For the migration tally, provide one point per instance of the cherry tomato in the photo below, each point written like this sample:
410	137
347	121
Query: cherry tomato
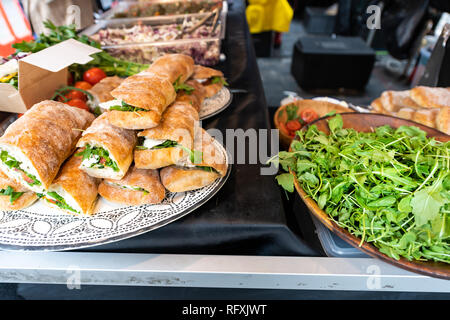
78	103
75	94
293	125
308	115
83	85
94	75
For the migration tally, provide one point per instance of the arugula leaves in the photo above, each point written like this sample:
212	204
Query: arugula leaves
9	191
217	79
390	187
195	156
101	155
12	163
126	107
59	201
182	86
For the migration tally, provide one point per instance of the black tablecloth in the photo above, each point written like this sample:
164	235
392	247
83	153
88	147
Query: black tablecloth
246	216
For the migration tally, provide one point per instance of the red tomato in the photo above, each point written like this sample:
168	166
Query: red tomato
75	94
78	103
19	115
94	75
27	178
308	115
293	125
83	85
102	160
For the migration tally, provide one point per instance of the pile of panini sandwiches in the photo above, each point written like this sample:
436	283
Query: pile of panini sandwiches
148	140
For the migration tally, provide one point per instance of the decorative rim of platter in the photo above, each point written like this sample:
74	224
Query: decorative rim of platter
33	229
216	104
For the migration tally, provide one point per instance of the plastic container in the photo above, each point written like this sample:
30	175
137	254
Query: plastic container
121	13
203	45
333	245
158	8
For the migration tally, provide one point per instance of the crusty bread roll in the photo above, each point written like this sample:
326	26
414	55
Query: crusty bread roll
197	175
205	75
77	190
102	90
406	113
34	147
377	106
173	67
395	100
118	142
428	97
139	186
443	120
177	126
426	117
22	201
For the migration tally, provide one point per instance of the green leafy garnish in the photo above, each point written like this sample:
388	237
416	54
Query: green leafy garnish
101	155
56	34
389	187
59	201
217	79
9	191
126	107
12	163
182	86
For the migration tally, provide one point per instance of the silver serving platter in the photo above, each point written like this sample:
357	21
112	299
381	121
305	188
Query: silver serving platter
216	104
41	228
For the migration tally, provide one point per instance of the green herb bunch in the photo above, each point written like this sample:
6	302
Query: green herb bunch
389	187
103	60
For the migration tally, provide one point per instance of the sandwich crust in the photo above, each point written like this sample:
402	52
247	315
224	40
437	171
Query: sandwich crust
119	142
82	187
134	120
173	67
395	100
180	179
102	90
146	179
426	117
428	97
443	120
178	124
194	99
46	135
146	90
25	200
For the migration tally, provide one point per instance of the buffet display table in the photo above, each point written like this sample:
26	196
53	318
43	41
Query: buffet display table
241	238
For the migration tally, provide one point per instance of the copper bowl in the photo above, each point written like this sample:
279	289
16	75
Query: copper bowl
366	122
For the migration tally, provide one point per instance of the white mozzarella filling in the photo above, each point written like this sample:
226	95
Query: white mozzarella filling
108	104
150	143
66	196
25	166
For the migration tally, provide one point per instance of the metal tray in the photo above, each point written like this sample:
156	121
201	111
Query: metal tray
205	51
123	6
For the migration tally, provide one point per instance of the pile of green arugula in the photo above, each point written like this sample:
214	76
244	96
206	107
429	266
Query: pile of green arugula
390	187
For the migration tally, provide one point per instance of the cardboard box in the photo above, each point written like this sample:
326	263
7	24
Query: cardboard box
42	73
